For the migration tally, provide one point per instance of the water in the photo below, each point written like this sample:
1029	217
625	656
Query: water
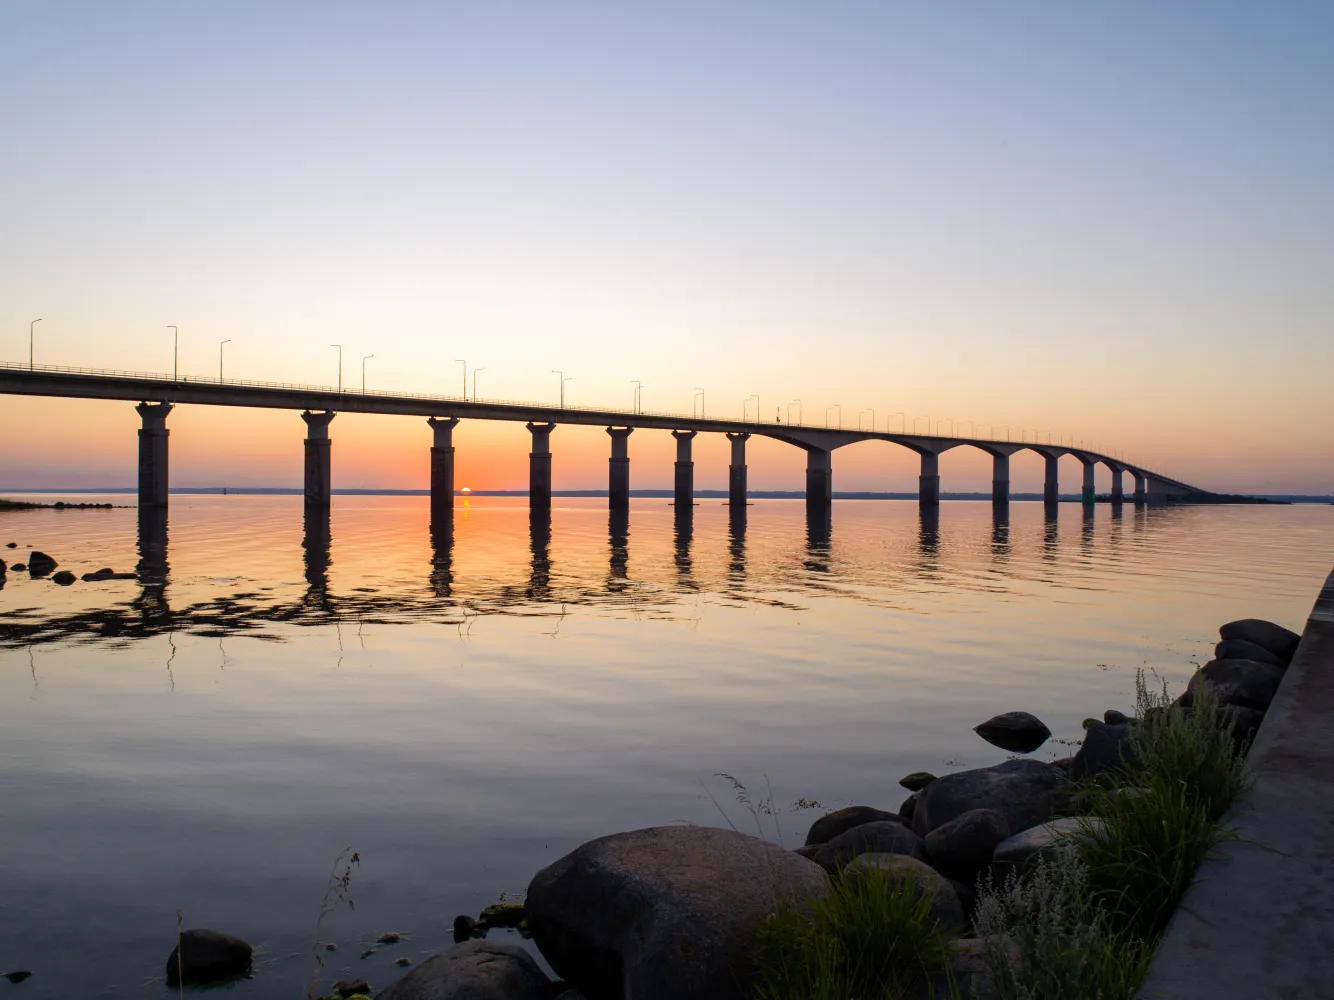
464	712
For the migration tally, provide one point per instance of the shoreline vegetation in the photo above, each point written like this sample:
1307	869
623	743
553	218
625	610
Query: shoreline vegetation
7	504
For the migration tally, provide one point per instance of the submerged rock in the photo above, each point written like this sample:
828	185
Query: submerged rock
826	828
207	956
1024	792
1247	683
1278	640
667	912
916	781
946	909
475	970
1018	732
892	837
963	846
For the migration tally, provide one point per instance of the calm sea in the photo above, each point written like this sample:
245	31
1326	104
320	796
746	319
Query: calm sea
464	705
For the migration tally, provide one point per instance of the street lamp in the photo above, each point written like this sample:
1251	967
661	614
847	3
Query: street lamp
836	406
340	365
789	411
902	418
699	394
30	326
927	418
228	341
745	406
634	400
859	418
474	382
175	349
941	421
363	371
465	376
563	380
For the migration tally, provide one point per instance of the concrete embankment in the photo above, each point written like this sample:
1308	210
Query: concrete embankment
1259	923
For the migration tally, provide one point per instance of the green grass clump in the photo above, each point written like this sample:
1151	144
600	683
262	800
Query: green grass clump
871	938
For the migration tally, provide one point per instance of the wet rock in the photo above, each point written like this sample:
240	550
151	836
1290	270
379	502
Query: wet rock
916	781
1018	732
123	576
1063	763
368	953
946	909
464	926
40	564
501	915
1112	717
1247	683
18	975
1024	792
350	987
906	808
18	567
1026	846
474	970
869	838
403	961
1240	649
207	956
826	828
389	937
11	545
331	947
1278	640
64	578
963	846
667	912
1090	723
105	573
1106	750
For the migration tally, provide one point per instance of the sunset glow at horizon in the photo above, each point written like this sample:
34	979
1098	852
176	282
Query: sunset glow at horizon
1113	225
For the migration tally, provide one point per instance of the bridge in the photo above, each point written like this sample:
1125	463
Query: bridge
157	395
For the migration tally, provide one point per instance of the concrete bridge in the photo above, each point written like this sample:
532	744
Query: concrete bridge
157	395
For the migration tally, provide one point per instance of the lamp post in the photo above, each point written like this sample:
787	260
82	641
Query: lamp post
465	376
797	402
859	418
927	418
474	382
340	365
941	421
30	326
699	394
228	341
175	349
902	429
745	405
836	406
563	380
634	399
363	371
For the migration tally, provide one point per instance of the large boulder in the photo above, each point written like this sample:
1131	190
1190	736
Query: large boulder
826	828
1247	683
667	912
1023	792
40	564
1018	732
1278	640
1240	649
1106	750
946	909
963	846
205	956
1243	723
888	837
1025	847
474	970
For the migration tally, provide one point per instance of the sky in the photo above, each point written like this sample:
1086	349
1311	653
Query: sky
1108	222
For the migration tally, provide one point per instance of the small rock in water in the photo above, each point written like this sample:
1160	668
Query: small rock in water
18	567
351	987
463	928
331	947
1091	723
916	781
1112	717
403	961
11	545
389	937
1019	732
502	915
368	953
204	956
19	975
40	564
64	578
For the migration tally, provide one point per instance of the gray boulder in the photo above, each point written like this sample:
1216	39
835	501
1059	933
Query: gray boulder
1278	640
1237	682
667	912
351	987
960	848
1240	649
474	970
1023	792
945	906
906	808
892	837
1026	846
1106	750
1243	723
1018	732
1112	717
205	956
916	781
826	828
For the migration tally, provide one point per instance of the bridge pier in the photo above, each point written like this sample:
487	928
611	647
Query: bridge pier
1000	480
1088	493
442	461
819	478
318	480
1141	493
153	454
1118	489
539	466
736	472
1051	486
684	481
928	483
618	477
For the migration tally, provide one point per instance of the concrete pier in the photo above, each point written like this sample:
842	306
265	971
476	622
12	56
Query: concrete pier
539	466
318	475
1141	489
819	478
1087	493
152	566
736	472
1000	479
442	550
316	540
684	481
1118	487
442	461
1051	484
153	454
928	483
618	475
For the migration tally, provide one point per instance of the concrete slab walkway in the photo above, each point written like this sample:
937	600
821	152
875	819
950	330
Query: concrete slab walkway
1259	924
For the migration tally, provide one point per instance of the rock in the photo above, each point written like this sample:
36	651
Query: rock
331	947
18	975
1018	732
463	928
1248	683
11	545
963	846
1090	723
969	974
1063	763
18	567
945	906
906	808
474	970
1027	845
1112	717
1240	649
403	961
1243	723
667	912
916	781
501	915
105	573
1024	792
64	578
869	838
40	564
1106	749
967	893
389	937
207	956
1278	640
808	851
826	828
349	987
368	953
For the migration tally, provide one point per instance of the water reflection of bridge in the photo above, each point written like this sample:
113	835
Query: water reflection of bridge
150	613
